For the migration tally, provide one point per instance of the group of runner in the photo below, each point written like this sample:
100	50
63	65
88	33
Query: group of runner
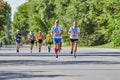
54	35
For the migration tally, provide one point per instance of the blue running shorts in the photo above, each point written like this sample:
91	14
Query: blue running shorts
17	41
57	40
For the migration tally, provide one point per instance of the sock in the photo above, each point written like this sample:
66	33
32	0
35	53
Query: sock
55	50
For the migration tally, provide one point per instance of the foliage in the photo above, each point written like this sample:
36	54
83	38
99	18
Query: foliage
99	20
5	21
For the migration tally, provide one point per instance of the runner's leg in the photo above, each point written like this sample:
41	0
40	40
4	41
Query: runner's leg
31	47
58	47
17	47
40	47
75	48
49	47
55	47
72	46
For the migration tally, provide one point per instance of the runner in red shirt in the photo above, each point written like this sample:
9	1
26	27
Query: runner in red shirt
39	39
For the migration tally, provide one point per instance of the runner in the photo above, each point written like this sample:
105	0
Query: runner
39	40
31	39
56	32
49	40
74	32
17	37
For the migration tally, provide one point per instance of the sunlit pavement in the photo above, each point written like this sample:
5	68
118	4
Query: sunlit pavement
90	64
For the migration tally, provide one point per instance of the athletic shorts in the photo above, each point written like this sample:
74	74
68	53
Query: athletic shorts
31	41
17	41
56	40
40	41
73	40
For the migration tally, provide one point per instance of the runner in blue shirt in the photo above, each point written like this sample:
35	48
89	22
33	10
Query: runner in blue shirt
17	37
56	32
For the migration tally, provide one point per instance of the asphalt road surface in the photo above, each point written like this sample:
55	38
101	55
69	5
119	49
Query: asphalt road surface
90	64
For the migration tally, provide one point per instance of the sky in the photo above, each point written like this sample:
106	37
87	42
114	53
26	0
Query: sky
14	4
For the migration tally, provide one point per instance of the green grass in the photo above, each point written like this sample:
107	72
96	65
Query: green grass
108	45
65	44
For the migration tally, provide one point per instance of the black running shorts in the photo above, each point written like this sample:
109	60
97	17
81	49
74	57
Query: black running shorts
31	41
40	41
73	40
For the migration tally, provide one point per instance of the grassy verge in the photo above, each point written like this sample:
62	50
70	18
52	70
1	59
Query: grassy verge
65	44
109	45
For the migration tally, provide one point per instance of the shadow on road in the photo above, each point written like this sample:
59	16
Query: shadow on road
5	75
43	62
48	62
63	54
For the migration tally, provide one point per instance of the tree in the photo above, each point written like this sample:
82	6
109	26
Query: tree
98	19
5	20
21	20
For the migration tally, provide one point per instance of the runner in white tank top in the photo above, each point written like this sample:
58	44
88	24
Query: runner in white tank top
74	33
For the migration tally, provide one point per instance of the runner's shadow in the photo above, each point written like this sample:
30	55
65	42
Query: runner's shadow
14	75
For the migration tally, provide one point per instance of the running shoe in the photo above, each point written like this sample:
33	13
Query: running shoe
39	49
74	55
17	51
71	52
56	55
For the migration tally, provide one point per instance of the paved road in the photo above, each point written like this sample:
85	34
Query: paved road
90	64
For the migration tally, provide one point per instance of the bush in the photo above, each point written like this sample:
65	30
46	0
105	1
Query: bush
92	40
116	37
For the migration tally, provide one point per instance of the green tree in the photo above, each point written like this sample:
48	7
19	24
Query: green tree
5	20
98	19
21	20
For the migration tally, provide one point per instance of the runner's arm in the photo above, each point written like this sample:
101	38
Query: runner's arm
69	32
61	32
79	32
